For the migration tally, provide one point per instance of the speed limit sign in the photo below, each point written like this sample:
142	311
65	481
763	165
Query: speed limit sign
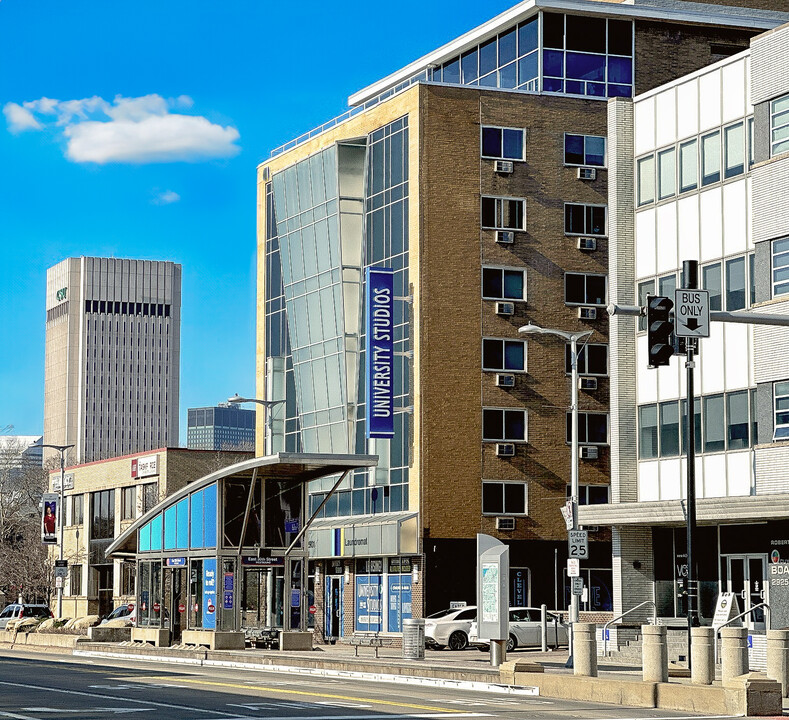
578	544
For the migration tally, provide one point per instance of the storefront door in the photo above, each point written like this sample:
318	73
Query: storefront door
745	576
175	602
334	592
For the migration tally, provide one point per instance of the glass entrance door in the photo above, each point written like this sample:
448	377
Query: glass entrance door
334	591
745	576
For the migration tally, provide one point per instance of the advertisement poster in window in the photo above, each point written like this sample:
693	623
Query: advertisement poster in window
399	601
369	600
209	594
49	518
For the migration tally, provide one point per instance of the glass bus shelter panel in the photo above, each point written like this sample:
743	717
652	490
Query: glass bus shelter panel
236	500
196	594
253	597
150	597
284	505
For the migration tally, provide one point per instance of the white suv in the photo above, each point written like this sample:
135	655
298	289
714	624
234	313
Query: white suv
449	628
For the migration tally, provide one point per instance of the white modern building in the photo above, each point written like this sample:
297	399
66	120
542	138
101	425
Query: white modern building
113	337
699	170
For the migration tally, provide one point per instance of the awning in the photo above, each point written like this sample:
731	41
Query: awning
298	467
709	511
387	534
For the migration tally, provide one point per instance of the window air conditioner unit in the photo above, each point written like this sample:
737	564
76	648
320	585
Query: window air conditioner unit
587	383
505	236
503	523
587	244
587	173
503	166
587	313
505	380
505	308
505	449
592	528
587	452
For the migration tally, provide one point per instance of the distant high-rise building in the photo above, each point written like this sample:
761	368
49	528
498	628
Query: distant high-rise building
113	338
19	453
225	427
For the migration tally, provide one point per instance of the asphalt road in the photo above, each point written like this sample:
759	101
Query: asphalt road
40	687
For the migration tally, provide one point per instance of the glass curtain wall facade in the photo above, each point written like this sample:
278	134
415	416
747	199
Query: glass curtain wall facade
328	217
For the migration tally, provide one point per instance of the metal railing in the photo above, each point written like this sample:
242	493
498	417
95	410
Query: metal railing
734	619
627	612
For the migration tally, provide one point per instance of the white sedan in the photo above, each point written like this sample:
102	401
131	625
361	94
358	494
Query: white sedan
524	630
449	628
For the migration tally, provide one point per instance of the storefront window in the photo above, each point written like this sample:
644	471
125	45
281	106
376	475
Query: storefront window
398	593
369	595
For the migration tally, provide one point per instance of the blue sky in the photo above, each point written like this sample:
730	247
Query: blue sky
134	130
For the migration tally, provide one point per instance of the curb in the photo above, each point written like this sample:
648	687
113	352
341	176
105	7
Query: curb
328	672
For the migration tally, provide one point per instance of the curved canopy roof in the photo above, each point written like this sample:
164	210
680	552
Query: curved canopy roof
299	467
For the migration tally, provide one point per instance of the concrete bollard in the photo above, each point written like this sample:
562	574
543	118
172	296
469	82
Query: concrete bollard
734	652
702	655
654	653
778	658
585	649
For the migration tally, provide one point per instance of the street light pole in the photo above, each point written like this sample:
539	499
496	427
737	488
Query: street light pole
61	510
267	405
573	339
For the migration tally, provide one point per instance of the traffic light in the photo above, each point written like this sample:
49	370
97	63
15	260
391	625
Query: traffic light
660	328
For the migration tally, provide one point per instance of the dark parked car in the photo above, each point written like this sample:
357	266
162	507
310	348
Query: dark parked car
19	611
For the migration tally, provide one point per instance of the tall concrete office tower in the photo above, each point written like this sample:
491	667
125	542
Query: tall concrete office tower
113	339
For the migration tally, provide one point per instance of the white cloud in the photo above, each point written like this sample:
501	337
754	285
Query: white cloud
127	130
19	118
168	197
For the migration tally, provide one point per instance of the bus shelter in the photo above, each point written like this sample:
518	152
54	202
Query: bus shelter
226	556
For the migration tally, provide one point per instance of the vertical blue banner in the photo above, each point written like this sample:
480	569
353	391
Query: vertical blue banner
209	594
379	309
369	601
399	601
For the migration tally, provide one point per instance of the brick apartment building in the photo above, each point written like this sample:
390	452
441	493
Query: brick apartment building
478	174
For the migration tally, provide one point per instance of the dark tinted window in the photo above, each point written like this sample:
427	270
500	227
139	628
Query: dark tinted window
553	30
620	37
586	34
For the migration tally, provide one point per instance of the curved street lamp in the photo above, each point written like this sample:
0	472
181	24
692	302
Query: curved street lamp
61	517
573	339
267	405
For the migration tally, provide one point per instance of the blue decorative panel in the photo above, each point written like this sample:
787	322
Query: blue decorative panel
209	516
196	533
156	533
169	528
182	524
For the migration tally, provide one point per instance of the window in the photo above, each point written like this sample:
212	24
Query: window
667	285
713	420
646	180
780	267
733	150
503	498
77	509
711	280
711	158
507	355
590	494
503	425
667	173
592	428
696	425
688	166
737	420
647	432
503	213
735	283
779	125
781	392
75	579
128	577
502	143
128	502
581	289
584	150
584	219
645	289
669	429
592	359
150	496
503	284
103	519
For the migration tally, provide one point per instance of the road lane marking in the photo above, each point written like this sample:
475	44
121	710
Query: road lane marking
83	710
116	698
306	693
17	717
